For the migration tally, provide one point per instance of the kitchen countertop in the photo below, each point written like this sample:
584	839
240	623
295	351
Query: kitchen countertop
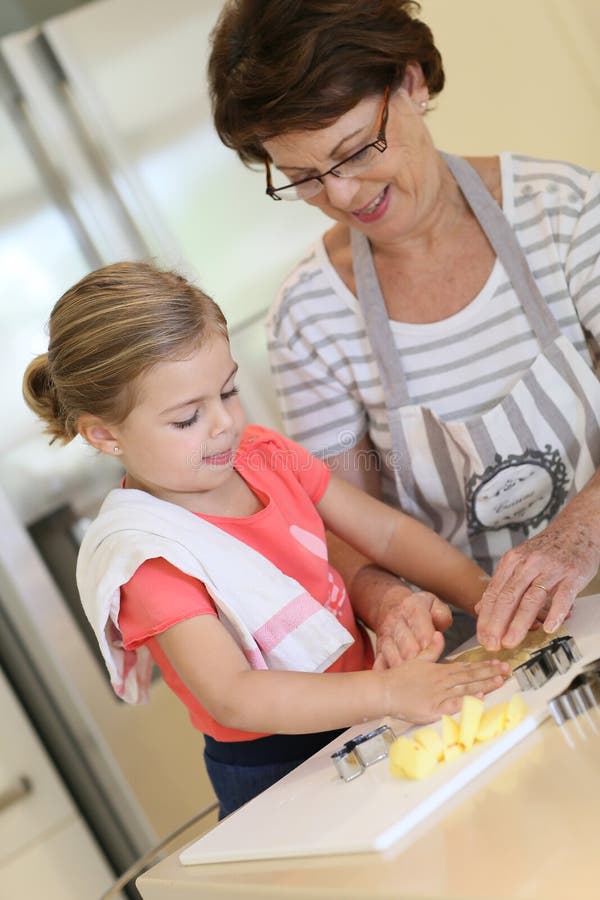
524	828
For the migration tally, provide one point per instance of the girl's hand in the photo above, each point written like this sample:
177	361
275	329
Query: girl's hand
538	580
406	625
422	690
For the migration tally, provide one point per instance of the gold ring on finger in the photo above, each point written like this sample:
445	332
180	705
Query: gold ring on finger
537	584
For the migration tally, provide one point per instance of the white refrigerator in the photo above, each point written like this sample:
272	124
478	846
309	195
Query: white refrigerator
107	152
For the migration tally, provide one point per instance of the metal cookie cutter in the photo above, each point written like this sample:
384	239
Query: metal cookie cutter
582	694
374	745
555	658
347	762
565	647
362	751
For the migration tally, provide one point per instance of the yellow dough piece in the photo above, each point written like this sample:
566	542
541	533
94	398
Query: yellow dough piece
411	760
451	738
470	716
453	751
450	731
492	722
418	756
431	740
534	640
515	712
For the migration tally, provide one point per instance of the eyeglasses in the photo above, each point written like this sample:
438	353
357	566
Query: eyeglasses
350	167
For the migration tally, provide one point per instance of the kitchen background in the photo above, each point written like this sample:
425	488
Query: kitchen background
107	152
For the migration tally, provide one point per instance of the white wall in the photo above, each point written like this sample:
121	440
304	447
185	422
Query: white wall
522	75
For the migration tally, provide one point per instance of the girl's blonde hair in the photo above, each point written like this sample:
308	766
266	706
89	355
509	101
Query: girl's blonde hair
105	331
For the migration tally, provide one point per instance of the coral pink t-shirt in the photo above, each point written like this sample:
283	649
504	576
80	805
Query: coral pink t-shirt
288	531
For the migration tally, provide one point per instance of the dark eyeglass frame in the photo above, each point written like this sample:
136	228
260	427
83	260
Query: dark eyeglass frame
380	144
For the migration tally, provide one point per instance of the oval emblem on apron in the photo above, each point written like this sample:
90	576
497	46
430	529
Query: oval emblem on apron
519	491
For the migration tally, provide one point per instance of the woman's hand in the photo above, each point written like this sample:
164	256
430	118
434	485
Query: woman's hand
422	690
406	624
538	582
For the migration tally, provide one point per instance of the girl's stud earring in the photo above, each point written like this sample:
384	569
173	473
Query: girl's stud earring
116	450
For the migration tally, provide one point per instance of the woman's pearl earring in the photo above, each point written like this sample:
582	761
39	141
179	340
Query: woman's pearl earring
423	104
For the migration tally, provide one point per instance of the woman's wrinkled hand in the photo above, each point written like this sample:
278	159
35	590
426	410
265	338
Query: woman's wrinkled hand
537	582
406	625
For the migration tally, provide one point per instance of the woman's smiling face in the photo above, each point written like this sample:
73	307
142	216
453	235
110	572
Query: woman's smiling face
388	200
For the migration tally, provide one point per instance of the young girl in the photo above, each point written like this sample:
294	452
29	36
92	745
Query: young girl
211	559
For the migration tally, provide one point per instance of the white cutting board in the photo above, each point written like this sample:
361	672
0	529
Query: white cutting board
313	812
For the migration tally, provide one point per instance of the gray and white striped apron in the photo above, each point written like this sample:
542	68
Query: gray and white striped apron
488	483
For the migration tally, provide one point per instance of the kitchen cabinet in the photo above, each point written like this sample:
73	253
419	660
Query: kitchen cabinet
46	850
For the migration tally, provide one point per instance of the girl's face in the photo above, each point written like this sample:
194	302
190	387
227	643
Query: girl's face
393	198
181	436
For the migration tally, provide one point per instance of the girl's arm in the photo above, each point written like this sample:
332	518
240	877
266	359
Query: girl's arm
401	544
403	620
214	668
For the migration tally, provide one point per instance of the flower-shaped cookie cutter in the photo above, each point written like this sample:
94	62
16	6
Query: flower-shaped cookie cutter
581	695
555	658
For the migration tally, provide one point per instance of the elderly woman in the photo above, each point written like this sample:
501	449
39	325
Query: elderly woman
436	345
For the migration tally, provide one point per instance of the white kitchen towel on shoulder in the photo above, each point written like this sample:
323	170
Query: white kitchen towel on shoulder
274	620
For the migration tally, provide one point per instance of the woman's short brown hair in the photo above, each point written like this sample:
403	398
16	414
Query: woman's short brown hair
107	330
278	66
